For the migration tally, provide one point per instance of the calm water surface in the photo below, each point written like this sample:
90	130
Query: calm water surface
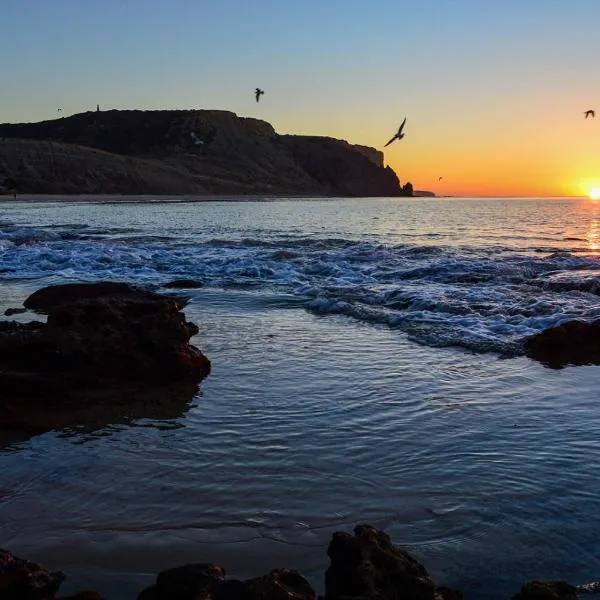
367	367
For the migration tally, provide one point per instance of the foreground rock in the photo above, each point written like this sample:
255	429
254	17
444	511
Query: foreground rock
363	566
207	582
100	341
21	579
368	566
572	343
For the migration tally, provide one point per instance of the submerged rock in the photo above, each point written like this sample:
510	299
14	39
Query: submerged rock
572	343
99	339
21	579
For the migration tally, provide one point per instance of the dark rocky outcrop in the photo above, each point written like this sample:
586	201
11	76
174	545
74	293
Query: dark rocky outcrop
367	566
21	579
340	169
193	152
363	566
101	342
572	343
206	582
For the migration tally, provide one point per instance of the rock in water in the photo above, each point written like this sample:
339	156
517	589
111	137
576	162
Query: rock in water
572	343
97	337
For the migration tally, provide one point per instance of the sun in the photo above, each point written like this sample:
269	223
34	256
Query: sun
595	193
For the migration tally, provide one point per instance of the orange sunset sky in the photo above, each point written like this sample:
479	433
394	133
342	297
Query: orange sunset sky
493	92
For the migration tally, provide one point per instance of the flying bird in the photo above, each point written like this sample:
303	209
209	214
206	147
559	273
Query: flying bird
440	178
258	93
399	135
590	113
195	139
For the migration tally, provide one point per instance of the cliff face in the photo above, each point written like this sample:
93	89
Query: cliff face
184	152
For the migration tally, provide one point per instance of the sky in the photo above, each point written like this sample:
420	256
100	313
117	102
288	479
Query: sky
493	90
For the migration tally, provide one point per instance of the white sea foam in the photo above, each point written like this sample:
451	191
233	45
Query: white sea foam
483	298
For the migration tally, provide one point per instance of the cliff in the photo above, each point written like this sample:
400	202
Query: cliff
184	152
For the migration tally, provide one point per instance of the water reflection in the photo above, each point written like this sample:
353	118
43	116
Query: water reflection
593	236
91	415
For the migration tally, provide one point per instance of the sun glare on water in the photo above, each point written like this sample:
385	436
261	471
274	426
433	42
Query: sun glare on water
595	193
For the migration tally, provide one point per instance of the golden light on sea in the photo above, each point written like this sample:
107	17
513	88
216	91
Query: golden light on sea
595	193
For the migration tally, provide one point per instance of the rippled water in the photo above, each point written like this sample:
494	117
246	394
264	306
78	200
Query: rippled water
366	367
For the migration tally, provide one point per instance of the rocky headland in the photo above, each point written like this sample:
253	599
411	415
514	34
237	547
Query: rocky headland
184	152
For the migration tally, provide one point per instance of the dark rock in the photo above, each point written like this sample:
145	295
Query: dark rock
546	590
183	284
341	168
96	341
190	582
572	343
14	311
54	295
279	584
407	189
21	579
206	582
366	565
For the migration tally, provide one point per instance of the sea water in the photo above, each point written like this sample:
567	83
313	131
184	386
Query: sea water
367	367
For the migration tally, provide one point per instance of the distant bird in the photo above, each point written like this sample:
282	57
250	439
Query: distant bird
440	178
398	135
589	113
59	110
258	93
197	141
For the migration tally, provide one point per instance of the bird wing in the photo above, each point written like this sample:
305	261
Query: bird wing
395	137
402	126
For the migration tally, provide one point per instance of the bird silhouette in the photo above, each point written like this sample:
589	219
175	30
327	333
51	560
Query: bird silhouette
440	178
589	113
195	139
399	135
258	93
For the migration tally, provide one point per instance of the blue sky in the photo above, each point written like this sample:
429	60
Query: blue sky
350	69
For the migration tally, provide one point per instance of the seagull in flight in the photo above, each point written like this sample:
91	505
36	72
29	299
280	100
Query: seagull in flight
590	113
398	135
258	93
440	178
195	139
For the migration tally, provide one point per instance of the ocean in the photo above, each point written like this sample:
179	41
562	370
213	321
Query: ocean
368	367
